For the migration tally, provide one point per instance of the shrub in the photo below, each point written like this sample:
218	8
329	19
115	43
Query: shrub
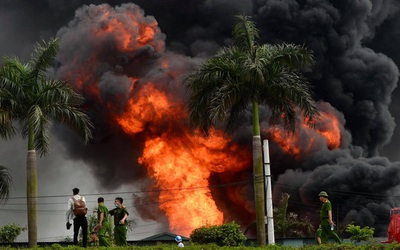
359	234
56	246
224	235
9	232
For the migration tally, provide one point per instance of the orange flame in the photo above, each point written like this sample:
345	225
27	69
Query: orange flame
329	128
109	45
131	32
181	164
302	141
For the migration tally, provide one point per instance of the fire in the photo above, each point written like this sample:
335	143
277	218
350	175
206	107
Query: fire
130	30
303	140
116	57
148	109
180	163
329	128
110	55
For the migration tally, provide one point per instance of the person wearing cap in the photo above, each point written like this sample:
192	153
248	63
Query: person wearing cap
178	240
326	219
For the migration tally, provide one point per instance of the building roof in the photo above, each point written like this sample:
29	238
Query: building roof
165	236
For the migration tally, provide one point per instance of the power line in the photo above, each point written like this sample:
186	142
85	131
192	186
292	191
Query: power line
140	192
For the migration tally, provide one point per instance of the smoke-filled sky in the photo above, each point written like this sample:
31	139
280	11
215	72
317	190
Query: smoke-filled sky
129	58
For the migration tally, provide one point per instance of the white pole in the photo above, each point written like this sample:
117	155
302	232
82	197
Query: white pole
268	191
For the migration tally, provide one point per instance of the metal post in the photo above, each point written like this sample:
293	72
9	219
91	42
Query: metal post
268	191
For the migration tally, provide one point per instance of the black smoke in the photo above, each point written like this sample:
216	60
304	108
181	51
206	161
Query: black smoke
356	77
355	45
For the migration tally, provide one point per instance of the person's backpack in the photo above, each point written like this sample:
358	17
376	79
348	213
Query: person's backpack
80	208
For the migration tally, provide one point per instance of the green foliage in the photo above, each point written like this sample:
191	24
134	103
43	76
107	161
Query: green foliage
5	181
359	234
224	235
29	103
65	239
92	222
56	246
288	224
9	232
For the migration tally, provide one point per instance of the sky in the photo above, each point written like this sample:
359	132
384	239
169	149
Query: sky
354	80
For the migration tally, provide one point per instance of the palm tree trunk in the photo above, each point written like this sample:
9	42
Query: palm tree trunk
258	175
31	191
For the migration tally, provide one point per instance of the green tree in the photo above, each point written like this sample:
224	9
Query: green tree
5	183
9	232
223	87
30	98
288	224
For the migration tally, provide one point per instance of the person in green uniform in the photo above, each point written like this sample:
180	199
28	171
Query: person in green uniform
103	226
326	219
120	225
318	234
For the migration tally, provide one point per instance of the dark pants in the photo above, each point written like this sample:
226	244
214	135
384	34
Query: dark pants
80	222
120	235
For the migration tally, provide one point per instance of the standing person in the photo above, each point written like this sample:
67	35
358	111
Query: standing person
120	225
178	240
103	226
327	223
77	212
318	234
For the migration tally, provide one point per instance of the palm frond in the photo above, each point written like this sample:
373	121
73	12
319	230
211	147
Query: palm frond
289	55
287	92
245	33
216	87
224	85
40	126
13	75
237	116
55	91
5	183
7	130
199	116
75	119
43	56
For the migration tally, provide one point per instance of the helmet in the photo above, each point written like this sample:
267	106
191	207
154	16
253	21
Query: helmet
178	238
323	193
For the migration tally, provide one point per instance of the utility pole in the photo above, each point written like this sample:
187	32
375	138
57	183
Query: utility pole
268	191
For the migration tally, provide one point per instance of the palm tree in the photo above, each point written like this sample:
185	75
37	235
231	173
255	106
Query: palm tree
32	100
5	183
223	87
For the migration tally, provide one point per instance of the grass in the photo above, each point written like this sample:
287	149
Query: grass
345	246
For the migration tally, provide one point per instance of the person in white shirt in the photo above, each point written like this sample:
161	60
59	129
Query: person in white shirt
79	221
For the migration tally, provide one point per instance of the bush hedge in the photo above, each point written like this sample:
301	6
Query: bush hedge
223	235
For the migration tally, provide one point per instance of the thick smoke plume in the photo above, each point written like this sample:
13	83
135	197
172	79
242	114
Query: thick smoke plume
354	80
116	57
358	82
